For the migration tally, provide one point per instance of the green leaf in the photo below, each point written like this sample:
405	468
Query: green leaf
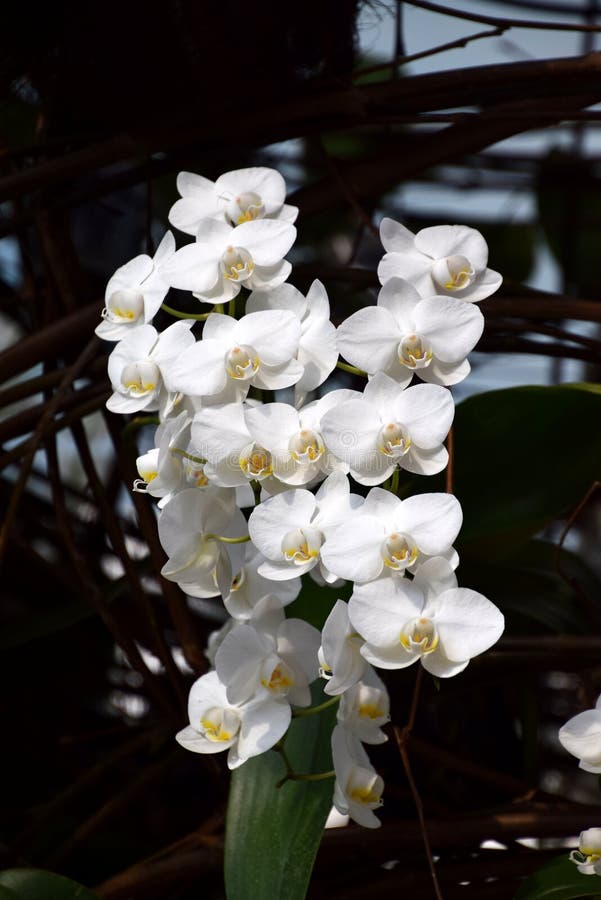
559	880
523	457
272	834
35	884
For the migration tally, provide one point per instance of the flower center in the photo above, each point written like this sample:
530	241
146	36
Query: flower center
398	552
278	679
372	703
453	273
393	440
140	378
236	264
218	724
238	580
195	474
123	307
414	352
246	207
365	786
255	461
301	545
306	446
242	362
419	636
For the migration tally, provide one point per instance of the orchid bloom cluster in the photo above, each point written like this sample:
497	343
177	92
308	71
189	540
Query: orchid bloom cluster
315	469
581	736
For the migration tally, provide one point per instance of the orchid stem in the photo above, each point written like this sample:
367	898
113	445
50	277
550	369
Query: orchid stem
352	369
139	422
199	317
226	540
196	459
312	710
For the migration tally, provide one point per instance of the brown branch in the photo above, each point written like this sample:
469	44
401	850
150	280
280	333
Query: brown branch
312	112
401	737
117	540
71	374
501	22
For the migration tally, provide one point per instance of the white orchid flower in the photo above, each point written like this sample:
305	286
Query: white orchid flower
364	708
242	195
247	587
258	349
388	427
221	436
405	335
224	259
293	437
135	292
290	528
164	470
140	365
269	654
392	535
405	621
189	530
443	260
317	351
358	787
581	736
340	652
216	724
588	855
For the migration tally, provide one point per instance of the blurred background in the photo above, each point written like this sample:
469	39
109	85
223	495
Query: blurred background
483	113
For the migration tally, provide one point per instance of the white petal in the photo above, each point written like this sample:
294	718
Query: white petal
219	433
581	736
411	266
238	662
380	609
193	268
440	666
350	432
192	740
453	327
432	520
440	241
427	410
425	462
318	304
352	552
274	333
273	378
263	724
401	300
267	240
286	296
485	285
200	370
298	643
369	338
272	519
221	328
318	353
267	183
272	425
396	238
467	623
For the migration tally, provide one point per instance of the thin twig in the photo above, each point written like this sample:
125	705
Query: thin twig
501	22
71	374
401	737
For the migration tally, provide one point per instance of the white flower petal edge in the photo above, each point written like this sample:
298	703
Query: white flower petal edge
358	788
